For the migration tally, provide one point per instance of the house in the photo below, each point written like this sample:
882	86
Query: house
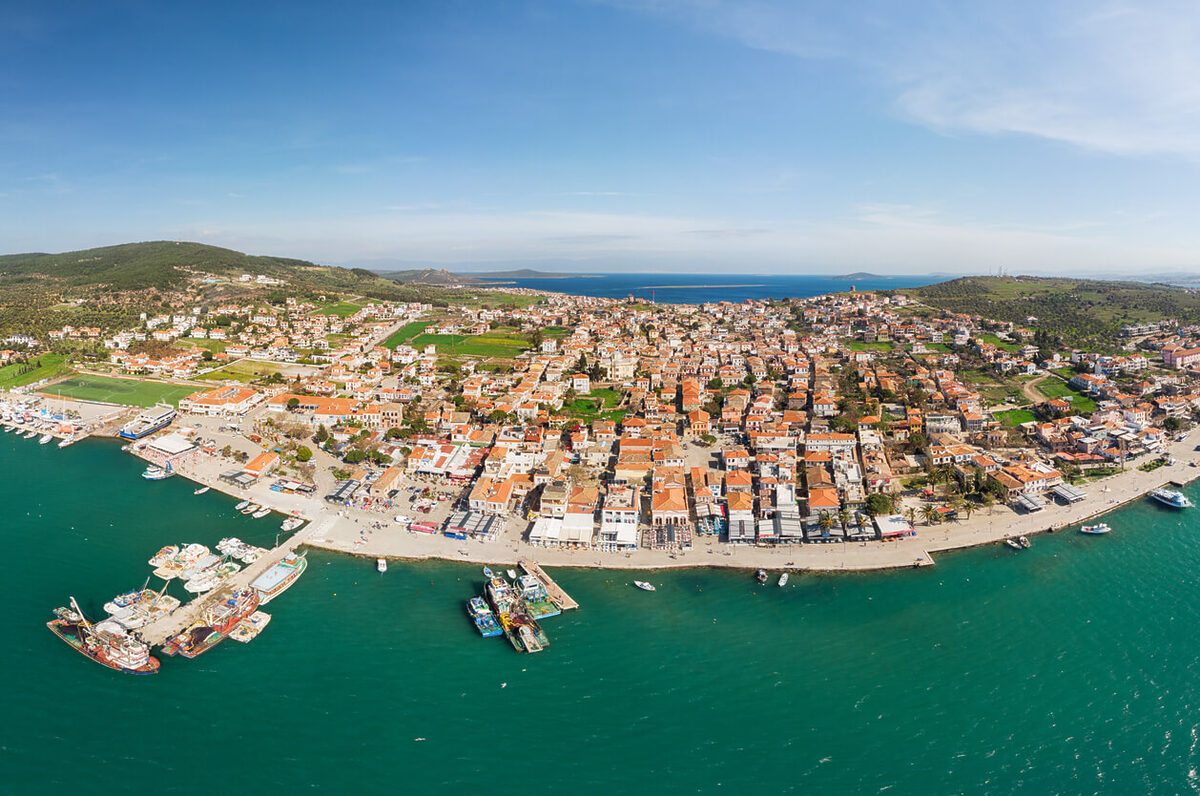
262	464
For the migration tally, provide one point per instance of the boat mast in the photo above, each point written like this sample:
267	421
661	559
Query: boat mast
83	620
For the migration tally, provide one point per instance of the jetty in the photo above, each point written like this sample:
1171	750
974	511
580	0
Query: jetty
555	591
158	631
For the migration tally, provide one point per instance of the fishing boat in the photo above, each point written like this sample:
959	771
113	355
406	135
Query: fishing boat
249	628
291	523
644	586
258	515
1171	498
126	599
45	438
761	576
500	593
381	565
523	632
1013	543
783	579
108	643
534	599
216	624
279	577
241	505
164	555
1098	528
482	616
201	490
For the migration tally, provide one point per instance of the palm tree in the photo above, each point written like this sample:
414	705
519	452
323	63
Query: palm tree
825	521
929	513
844	516
910	514
968	507
987	501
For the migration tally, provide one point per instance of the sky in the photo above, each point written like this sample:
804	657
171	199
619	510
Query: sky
722	136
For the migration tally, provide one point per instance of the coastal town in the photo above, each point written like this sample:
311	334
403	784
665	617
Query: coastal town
846	431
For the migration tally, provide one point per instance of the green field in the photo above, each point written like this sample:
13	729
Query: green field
1080	403
1012	418
405	333
342	309
483	345
859	345
244	370
996	341
52	365
216	346
557	331
121	391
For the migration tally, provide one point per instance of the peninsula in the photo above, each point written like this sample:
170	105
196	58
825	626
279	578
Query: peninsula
858	430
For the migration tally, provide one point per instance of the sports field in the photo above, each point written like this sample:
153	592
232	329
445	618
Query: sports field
482	345
120	391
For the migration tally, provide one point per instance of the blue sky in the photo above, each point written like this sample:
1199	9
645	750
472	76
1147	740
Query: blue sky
694	135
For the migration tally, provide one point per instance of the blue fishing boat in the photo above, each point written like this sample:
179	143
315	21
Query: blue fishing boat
482	616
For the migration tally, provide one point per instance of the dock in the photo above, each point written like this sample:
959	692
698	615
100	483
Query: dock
157	632
555	591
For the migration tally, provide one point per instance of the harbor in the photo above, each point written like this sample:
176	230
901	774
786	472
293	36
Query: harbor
518	607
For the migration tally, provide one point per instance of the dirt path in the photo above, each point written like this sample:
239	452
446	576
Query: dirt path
1030	390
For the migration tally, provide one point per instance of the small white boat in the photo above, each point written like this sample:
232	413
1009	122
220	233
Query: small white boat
250	509
381	565
512	574
31	435
1024	542
291	523
241	505
1013	543
1096	529
201	490
258	515
45	438
783	579
65	441
644	586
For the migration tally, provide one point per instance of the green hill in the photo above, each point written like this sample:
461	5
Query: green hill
1081	311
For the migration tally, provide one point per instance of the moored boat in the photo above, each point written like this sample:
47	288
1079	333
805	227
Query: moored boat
201	490
482	616
107	643
155	473
291	523
241	505
45	438
534	598
783	579
217	622
1097	529
1024	542
279	577
761	576
644	586
251	508
249	628
258	515
1013	543
381	565
1171	498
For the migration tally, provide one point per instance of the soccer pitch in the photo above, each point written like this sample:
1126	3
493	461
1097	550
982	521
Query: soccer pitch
120	391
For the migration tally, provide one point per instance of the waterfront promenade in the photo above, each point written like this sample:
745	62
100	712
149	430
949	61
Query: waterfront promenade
371	534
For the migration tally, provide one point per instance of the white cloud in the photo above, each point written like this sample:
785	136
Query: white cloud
1109	76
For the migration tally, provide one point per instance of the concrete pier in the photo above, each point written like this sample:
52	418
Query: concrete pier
162	629
555	591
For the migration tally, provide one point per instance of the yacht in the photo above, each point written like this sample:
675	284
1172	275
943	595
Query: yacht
45	438
1171	498
644	586
201	490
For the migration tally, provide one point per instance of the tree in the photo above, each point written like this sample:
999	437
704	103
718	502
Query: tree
393	433
929	513
1172	424
843	516
708	439
379	457
910	514
303	453
535	339
226	451
987	501
322	433
715	384
354	457
878	504
293	403
825	521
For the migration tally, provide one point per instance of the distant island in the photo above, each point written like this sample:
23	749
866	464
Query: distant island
860	275
435	276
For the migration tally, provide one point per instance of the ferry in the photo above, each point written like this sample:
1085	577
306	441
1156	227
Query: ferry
280	577
107	643
482	616
216	624
644	586
1099	528
148	421
1171	498
156	473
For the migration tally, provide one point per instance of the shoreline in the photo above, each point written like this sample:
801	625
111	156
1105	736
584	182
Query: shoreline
373	535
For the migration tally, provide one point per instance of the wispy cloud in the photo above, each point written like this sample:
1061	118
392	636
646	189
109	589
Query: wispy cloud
1110	76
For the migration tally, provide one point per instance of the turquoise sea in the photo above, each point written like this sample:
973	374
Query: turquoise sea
1071	667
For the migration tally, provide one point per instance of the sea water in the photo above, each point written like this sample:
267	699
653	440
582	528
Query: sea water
1069	667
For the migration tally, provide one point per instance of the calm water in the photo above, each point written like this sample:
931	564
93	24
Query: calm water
699	288
1070	667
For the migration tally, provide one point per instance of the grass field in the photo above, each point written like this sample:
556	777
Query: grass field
405	333
52	365
1080	403
121	391
342	309
243	371
1014	417
216	346
557	331
859	345
483	345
